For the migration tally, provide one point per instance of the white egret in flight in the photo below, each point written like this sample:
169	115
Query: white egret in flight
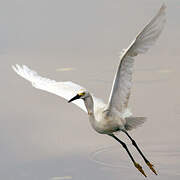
113	116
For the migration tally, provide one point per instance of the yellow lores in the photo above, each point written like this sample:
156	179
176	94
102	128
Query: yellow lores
81	93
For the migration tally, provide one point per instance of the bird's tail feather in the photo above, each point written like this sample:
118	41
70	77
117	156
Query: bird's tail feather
134	122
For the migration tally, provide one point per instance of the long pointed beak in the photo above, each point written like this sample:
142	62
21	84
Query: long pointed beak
74	98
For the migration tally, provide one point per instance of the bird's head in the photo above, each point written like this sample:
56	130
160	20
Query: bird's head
82	94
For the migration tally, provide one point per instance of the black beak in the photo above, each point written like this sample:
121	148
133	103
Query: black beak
74	98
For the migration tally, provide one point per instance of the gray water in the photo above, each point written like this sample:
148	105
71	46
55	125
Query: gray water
42	137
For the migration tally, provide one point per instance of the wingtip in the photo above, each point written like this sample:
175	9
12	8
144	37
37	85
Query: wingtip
19	69
163	7
14	67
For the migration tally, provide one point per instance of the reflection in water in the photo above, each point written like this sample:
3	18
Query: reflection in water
66	69
61	177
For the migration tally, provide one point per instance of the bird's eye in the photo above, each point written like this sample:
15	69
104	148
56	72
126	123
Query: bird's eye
82	94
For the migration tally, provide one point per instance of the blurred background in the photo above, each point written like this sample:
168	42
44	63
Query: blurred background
42	137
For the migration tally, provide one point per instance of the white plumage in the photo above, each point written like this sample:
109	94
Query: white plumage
65	89
123	79
114	116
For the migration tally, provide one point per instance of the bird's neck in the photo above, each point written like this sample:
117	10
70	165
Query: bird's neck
89	105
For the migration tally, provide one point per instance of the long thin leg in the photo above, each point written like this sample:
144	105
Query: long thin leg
145	159
131	157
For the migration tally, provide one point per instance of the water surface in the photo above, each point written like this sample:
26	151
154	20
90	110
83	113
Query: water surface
42	137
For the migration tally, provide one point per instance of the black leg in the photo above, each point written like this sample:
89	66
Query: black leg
131	157
145	159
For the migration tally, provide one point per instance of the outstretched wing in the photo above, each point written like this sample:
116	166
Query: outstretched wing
123	79
64	89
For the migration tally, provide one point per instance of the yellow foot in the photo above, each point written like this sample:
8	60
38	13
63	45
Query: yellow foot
139	168
151	167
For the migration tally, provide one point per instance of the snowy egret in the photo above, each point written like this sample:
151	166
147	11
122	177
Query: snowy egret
113	116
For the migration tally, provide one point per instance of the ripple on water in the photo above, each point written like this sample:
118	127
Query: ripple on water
111	156
165	157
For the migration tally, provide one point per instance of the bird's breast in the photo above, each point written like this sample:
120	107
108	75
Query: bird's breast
106	124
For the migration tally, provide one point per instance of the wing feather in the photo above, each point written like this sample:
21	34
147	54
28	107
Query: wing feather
65	89
123	79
